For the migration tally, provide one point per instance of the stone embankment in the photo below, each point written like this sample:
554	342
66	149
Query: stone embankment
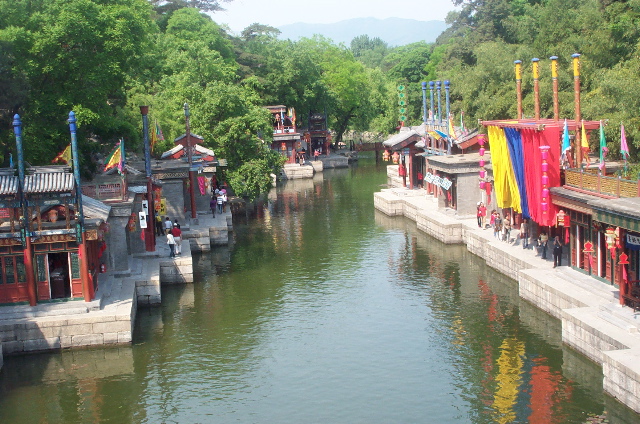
109	319
593	322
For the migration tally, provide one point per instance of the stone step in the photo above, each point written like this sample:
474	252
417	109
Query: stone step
43	310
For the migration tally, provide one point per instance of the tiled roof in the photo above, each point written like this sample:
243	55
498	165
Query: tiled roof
93	208
204	150
172	151
49	182
399	138
8	185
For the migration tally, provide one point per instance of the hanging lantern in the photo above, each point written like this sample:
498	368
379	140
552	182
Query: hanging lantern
482	173
588	247
560	218
623	259
386	155
396	157
610	236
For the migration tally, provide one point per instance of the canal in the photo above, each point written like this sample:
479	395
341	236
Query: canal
322	310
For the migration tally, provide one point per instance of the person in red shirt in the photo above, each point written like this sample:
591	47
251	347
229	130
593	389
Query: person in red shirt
177	235
482	212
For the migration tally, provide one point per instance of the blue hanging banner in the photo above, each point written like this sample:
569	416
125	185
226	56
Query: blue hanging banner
633	241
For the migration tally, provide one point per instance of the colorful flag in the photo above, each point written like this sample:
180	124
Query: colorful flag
115	158
10	160
452	132
584	143
624	149
603	147
566	141
64	156
156	135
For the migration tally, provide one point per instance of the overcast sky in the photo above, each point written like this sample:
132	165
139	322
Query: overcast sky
242	13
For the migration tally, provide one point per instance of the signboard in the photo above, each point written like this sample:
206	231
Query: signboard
437	181
163	206
633	241
145	207
143	219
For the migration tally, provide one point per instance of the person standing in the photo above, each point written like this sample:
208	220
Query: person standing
524	233
159	229
506	225
212	205
542	241
481	213
171	242
177	238
167	225
219	201
557	252
497	225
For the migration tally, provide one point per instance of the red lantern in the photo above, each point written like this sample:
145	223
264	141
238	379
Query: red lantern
624	259
103	268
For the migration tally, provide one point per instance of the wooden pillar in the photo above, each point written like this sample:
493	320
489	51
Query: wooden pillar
87	286
28	266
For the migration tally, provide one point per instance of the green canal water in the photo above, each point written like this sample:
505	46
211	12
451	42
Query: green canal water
322	310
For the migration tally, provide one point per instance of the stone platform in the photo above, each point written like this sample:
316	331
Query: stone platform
593	322
110	317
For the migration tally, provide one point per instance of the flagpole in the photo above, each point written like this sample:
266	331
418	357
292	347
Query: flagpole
81	239
150	234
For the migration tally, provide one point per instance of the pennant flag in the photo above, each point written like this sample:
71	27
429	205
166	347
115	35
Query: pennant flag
566	142
114	159
156	135
452	132
10	160
121	162
624	148
603	148
584	143
462	121
64	156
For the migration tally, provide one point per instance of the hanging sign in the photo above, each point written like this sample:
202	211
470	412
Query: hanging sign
445	183
145	207
633	242
163	206
143	219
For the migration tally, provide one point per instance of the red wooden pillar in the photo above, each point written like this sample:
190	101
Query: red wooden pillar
31	279
87	286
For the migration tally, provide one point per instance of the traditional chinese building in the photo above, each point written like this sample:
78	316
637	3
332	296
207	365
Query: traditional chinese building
286	138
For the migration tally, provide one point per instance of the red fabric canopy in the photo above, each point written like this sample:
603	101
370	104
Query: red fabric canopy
531	142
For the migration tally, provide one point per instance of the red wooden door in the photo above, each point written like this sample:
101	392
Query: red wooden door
42	276
13	285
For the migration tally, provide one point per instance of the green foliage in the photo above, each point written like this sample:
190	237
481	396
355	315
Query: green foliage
253	177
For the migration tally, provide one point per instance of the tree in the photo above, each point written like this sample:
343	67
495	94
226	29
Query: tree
74	55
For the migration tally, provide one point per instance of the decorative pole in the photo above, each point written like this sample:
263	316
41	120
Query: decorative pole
438	89
192	191
424	102
25	228
431	84
518	65
448	110
81	236
576	94
554	80
482	173
536	87
150	234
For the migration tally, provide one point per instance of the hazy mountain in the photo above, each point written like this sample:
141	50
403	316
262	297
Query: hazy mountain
394	31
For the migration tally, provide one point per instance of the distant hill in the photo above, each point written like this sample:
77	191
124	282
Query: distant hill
394	31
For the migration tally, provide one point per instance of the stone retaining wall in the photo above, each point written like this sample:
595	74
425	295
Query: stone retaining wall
587	325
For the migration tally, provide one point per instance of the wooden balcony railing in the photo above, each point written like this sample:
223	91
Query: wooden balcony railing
610	186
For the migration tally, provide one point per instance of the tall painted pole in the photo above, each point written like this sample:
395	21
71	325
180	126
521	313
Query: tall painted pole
448	110
438	86
25	228
576	94
433	115
554	80
192	191
424	102
518	69
81	236
536	86
150	234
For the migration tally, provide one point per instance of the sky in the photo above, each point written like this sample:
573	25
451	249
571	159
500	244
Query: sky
241	13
